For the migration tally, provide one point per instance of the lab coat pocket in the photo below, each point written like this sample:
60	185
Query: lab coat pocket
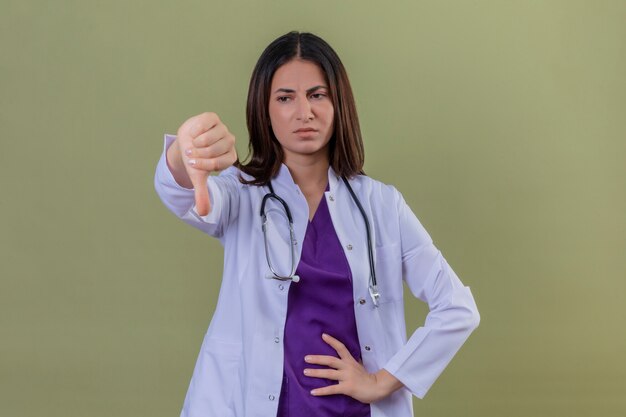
216	377
389	272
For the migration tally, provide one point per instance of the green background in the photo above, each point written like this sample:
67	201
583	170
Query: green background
503	124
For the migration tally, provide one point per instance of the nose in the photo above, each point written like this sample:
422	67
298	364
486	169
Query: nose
304	110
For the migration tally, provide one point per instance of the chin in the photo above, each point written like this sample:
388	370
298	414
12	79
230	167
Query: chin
312	150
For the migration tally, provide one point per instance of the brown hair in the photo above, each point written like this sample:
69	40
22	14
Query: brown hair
346	153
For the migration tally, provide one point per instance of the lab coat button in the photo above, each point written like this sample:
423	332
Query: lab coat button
368	348
331	198
281	287
271	397
362	301
276	339
349	247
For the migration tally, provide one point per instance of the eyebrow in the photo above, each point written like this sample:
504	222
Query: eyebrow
309	91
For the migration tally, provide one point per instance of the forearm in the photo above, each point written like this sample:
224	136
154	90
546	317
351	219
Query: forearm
431	347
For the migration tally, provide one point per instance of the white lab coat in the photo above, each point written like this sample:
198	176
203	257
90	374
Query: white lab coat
240	366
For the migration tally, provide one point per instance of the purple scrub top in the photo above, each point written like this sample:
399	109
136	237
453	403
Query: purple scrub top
322	302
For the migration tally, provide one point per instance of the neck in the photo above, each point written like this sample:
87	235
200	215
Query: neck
309	173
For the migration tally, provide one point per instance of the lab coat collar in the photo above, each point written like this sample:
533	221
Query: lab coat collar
333	180
284	179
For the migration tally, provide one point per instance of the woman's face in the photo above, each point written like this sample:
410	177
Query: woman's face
301	110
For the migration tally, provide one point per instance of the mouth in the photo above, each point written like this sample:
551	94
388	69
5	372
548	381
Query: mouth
305	130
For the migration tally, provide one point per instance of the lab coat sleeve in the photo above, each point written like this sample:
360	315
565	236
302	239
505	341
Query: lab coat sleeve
223	193
453	314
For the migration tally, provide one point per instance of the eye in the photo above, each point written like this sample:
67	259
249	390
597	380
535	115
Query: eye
283	99
318	96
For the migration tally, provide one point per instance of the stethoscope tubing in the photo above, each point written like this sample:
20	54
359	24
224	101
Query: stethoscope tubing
370	252
373	287
292	238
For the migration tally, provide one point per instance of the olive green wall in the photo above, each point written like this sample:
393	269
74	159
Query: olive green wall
502	122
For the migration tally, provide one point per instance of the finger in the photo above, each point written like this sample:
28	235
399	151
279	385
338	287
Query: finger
330	361
341	349
323	373
201	193
213	164
201	123
210	136
328	390
218	148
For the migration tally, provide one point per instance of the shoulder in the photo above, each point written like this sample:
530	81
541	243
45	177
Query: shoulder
377	191
232	176
230	172
391	212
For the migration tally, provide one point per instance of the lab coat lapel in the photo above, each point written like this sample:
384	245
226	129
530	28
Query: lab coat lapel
288	190
350	229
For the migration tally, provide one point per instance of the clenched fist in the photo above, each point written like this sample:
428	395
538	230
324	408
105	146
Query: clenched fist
204	145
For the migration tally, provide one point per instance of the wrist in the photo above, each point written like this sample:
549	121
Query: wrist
386	383
176	165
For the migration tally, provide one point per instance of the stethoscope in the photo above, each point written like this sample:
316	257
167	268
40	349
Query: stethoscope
373	285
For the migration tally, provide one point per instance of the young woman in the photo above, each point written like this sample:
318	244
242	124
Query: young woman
310	315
